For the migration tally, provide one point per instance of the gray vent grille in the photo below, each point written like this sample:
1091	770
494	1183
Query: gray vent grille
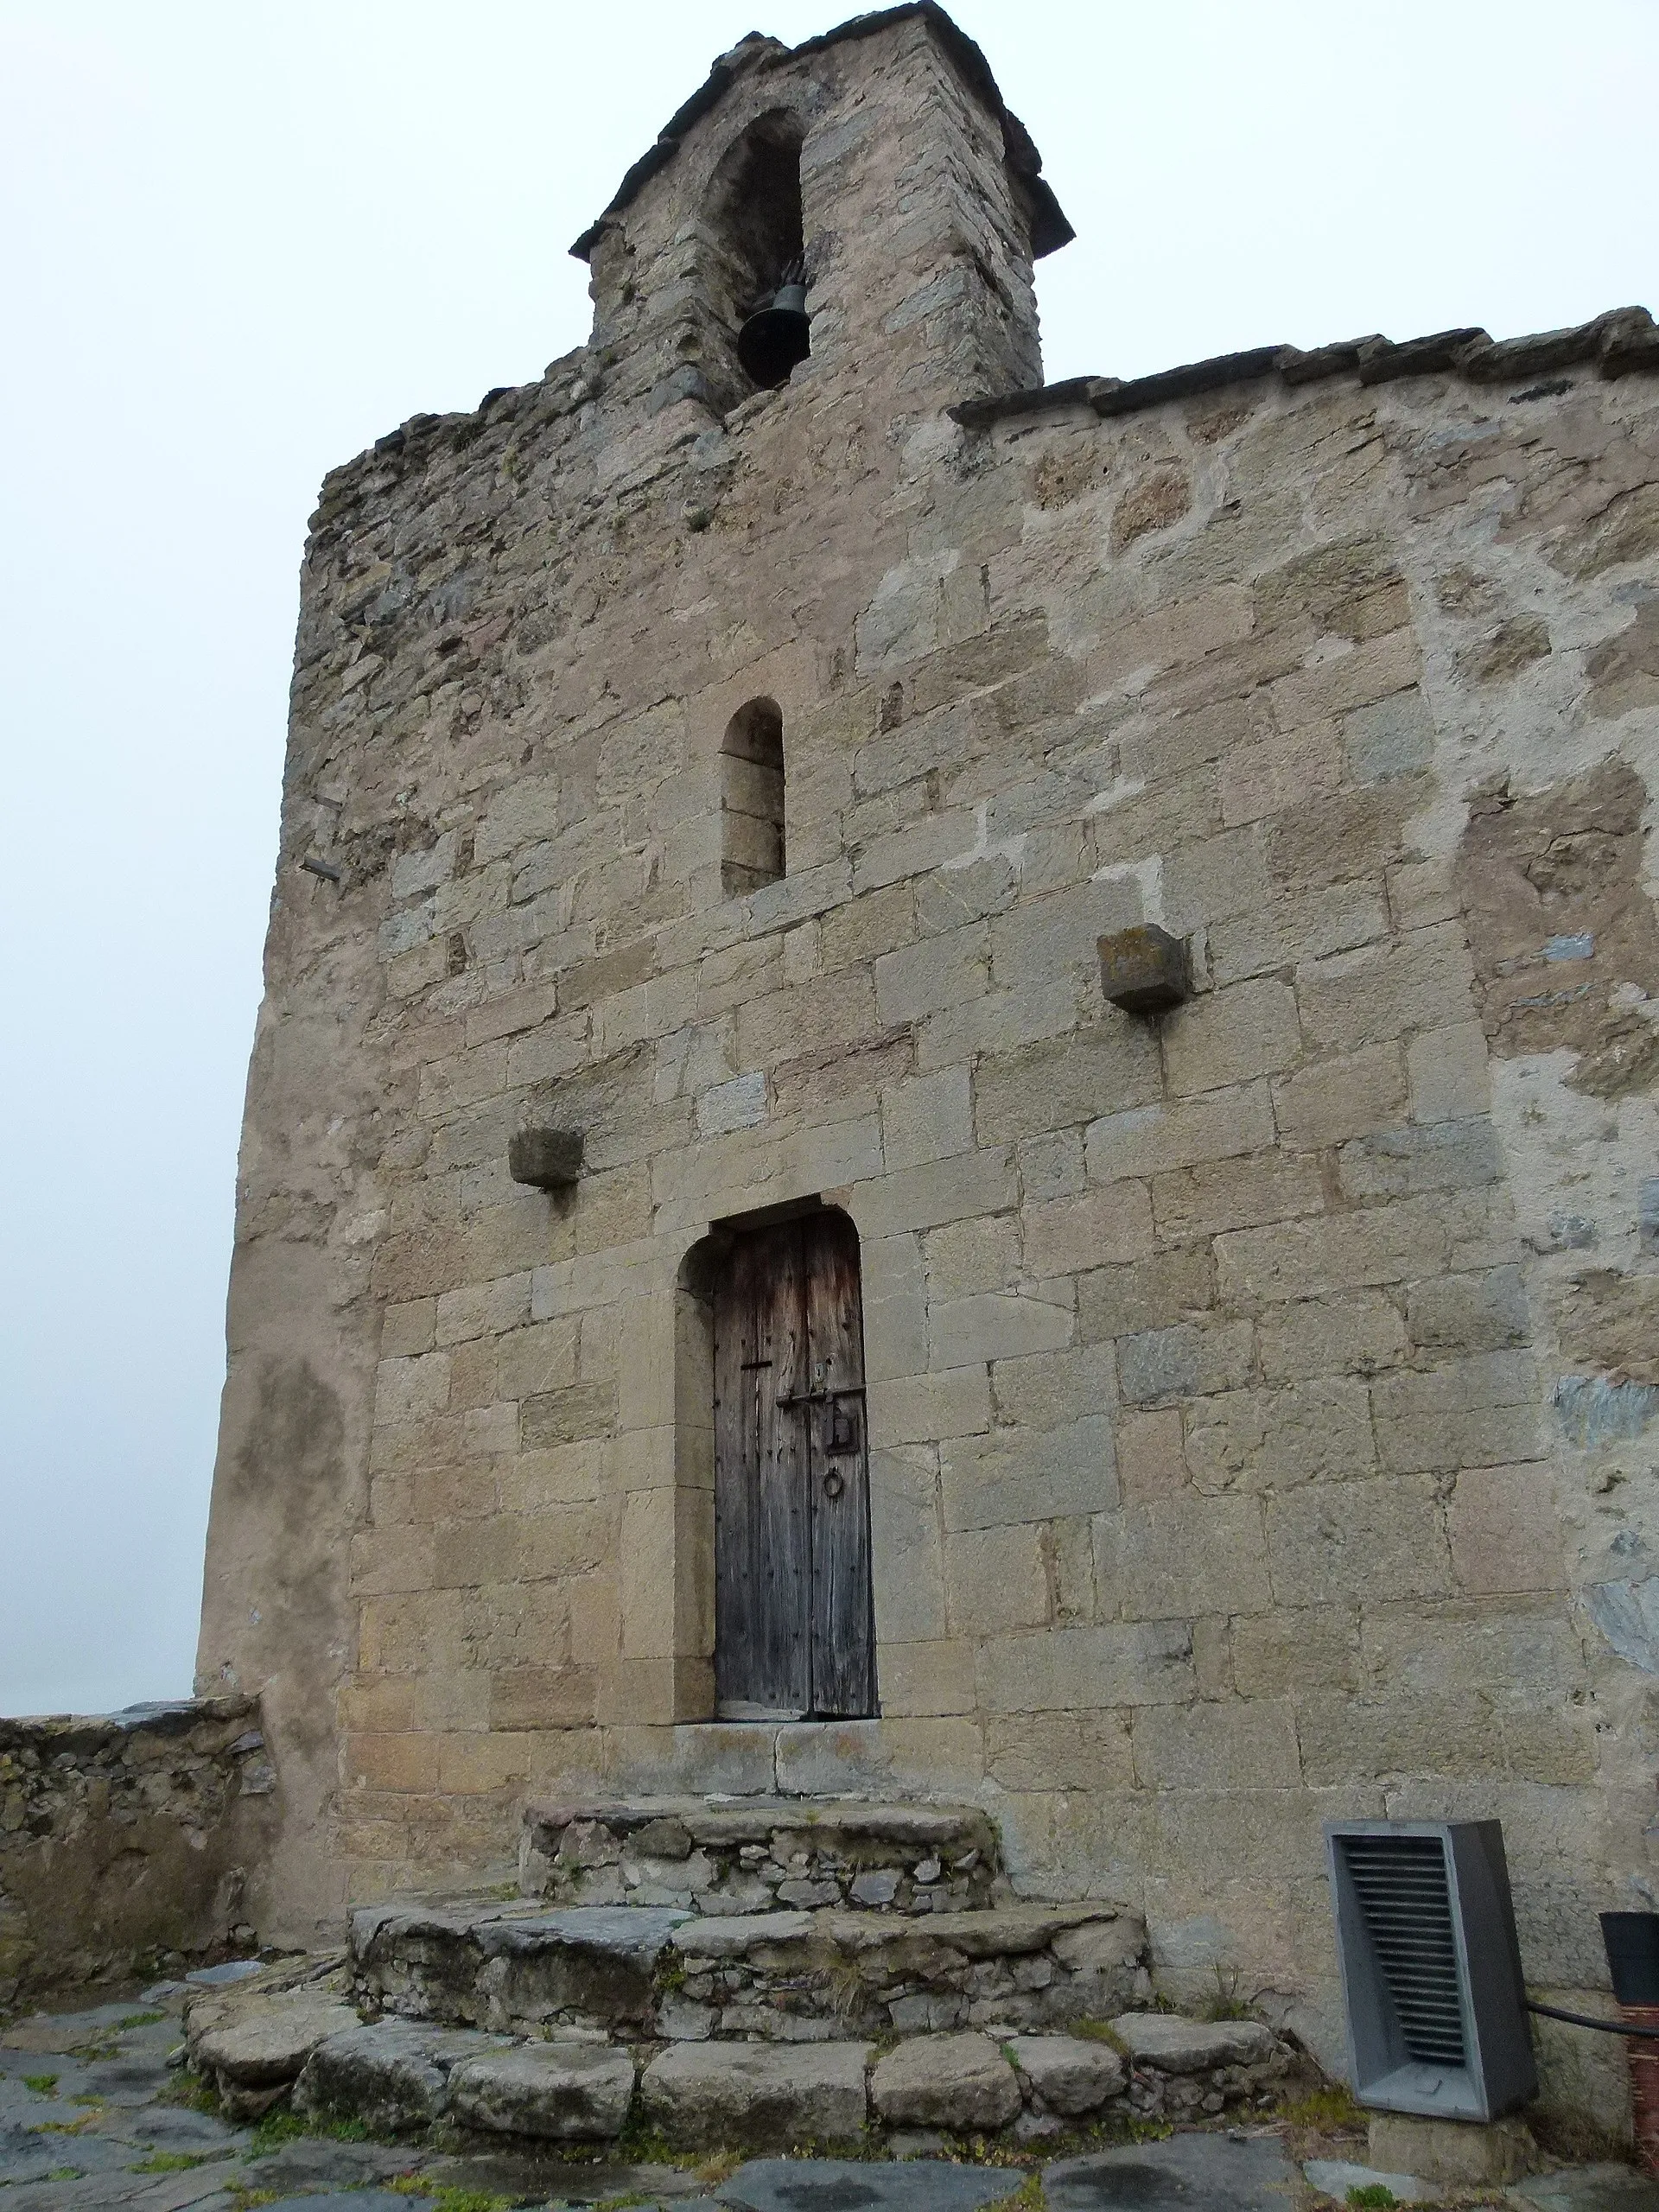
1431	1970
1400	1884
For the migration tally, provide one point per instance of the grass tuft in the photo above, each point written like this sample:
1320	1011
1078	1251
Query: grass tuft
443	2197
718	2166
1372	2196
172	2161
281	2125
187	2088
1328	2110
43	2084
140	2020
277	2127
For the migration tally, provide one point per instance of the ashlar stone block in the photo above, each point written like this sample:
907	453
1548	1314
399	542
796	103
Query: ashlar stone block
996	1579
1505	1530
998	1325
927	1118
1237	1193
1388	1243
1061	1084
1178	1557
1171	1286
1069	1235
1079	1669
1151	1139
1194	1358
1231	1037
1317	1431
1359	1333
1237	1744
1340	1097
710	2093
1448	1073
1334	1543
1009	1476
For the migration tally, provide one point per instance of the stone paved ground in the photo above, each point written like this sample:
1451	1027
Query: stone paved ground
87	2124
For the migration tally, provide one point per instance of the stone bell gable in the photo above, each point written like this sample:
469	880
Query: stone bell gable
956	1091
882	155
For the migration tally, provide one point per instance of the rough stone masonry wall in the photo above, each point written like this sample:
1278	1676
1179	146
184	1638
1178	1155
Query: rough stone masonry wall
125	1842
1262	1404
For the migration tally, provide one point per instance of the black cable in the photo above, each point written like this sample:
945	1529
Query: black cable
1585	2020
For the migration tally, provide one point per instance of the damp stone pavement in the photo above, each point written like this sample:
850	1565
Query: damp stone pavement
90	2117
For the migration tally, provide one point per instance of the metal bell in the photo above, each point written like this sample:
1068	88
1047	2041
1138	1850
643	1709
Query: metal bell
777	336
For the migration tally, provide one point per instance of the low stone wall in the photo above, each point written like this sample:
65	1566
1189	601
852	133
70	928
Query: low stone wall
125	1840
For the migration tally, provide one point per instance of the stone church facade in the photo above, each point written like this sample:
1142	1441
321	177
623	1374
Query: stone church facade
725	1302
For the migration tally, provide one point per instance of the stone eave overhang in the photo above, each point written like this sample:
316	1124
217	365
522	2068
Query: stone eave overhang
1618	341
1049	227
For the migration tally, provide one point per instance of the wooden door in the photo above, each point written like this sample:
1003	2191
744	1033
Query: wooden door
794	1628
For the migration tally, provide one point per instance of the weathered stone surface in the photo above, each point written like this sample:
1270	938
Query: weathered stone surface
390	2074
1587	2188
825	2185
530	2173
572	2092
824	1972
1180	2175
491	1965
266	2041
1144	970
1336	2177
752	2093
1067	2075
962	2082
315	2162
352	2198
119	1836
1460	2154
707	1857
1174	2045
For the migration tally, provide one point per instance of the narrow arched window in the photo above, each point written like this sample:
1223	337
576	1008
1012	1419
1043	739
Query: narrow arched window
752	798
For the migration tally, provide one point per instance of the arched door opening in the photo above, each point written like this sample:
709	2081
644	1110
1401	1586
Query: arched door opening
794	1614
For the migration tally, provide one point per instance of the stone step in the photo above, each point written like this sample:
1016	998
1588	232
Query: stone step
509	1965
749	1854
401	2075
798	1977
635	1973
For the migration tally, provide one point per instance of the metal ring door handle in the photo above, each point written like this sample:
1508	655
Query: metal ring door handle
833	1484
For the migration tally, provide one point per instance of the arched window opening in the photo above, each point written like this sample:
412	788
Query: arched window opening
752	798
755	210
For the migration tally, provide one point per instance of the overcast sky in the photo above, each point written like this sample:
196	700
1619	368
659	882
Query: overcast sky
240	240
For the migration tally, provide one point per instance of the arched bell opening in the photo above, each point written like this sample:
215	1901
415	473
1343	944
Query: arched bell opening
754	216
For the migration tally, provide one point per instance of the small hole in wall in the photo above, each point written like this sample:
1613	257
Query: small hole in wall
752	798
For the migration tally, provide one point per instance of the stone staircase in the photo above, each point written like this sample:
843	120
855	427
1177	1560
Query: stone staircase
779	1919
740	1972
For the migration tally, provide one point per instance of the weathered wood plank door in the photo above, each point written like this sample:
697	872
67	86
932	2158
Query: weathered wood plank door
794	1628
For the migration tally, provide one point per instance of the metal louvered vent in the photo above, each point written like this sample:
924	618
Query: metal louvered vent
1400	1882
1431	1972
